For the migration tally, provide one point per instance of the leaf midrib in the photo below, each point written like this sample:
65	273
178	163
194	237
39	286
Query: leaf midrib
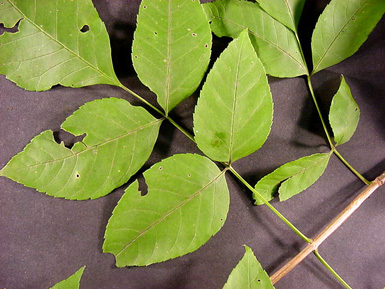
88	148
168	67
114	81
170	212
234	103
312	165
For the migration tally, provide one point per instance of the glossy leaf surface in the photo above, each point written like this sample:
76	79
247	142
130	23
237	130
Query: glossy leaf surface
296	176
187	203
234	113
119	139
342	28
288	12
344	114
276	45
248	274
72	282
171	49
50	47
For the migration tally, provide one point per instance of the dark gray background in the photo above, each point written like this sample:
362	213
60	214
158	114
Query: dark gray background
44	240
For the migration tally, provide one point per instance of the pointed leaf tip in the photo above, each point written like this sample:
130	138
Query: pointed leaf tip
248	274
237	92
344	114
72	282
186	204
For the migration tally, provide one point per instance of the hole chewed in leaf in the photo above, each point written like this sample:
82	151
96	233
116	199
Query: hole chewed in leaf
194	34
13	29
67	139
85	28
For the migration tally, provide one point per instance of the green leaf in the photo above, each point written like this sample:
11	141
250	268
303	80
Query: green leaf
288	12
187	203
171	49
234	112
344	114
248	274
50	47
342	28
119	139
72	282
276	45
296	176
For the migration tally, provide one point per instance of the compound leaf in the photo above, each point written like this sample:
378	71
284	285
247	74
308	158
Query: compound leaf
171	49
234	113
276	45
296	176
248	274
342	28
52	45
119	139
187	203
72	282
288	12
344	114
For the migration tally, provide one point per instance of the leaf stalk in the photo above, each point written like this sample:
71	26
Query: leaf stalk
327	266
275	211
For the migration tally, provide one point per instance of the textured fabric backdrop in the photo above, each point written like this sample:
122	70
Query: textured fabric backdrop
44	240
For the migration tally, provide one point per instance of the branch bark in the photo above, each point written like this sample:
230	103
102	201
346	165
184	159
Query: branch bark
330	229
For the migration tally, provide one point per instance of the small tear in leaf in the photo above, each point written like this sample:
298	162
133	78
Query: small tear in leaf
85	28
